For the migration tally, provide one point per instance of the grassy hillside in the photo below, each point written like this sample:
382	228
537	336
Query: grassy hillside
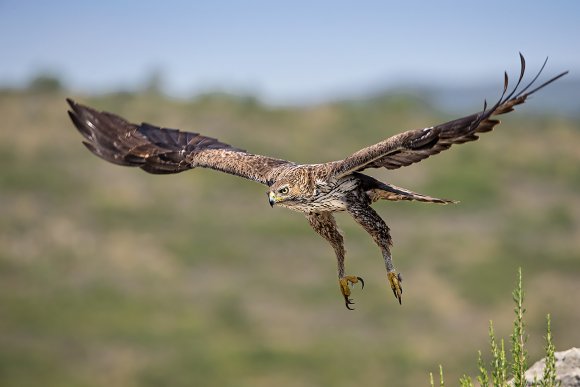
110	276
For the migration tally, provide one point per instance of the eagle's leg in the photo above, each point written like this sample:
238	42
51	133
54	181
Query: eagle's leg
378	229
325	225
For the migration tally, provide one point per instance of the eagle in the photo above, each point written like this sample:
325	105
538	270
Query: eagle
316	190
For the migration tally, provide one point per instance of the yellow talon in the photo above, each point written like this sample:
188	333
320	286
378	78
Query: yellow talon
395	280
345	289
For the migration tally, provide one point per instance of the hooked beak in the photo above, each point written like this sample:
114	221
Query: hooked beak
271	199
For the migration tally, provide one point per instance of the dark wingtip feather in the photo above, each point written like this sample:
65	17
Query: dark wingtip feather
75	107
522	72
505	81
522	65
548	82
81	127
533	80
507	103
91	147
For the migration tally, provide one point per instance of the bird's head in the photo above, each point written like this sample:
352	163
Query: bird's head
281	193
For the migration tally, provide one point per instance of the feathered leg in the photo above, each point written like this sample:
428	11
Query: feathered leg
325	225
378	229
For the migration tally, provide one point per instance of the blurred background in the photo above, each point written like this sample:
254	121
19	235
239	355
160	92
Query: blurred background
111	276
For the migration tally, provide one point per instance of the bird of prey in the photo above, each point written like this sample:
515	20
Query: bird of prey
317	190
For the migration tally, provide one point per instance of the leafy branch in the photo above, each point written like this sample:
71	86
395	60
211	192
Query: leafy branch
498	373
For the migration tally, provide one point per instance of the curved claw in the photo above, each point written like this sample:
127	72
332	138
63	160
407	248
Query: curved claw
344	283
395	280
348	302
397	296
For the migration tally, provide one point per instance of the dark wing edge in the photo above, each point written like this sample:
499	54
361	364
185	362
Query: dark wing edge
164	151
415	145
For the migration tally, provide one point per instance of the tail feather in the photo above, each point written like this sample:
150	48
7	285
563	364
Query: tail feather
392	192
377	190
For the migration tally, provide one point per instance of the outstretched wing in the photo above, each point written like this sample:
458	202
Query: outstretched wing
161	150
415	145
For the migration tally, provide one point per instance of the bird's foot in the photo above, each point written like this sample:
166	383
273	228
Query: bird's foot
395	279
345	289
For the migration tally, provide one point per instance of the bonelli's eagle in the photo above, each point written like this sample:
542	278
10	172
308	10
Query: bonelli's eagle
317	190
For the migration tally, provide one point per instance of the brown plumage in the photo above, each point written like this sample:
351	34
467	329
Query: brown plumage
317	190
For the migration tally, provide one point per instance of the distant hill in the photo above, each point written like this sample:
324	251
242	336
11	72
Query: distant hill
562	97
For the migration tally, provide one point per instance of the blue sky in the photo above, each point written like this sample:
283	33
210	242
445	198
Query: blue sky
283	51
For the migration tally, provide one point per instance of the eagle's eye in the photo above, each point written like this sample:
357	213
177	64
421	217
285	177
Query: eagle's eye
283	190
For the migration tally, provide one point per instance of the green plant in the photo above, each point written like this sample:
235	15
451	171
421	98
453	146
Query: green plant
519	355
549	377
499	366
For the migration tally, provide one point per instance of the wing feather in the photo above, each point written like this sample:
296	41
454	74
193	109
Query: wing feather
415	145
161	150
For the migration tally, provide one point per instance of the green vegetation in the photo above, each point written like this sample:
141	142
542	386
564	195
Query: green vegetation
45	83
499	366
113	277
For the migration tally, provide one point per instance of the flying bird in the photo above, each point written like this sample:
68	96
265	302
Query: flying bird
316	190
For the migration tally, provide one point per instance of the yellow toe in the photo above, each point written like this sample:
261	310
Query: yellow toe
344	283
395	280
